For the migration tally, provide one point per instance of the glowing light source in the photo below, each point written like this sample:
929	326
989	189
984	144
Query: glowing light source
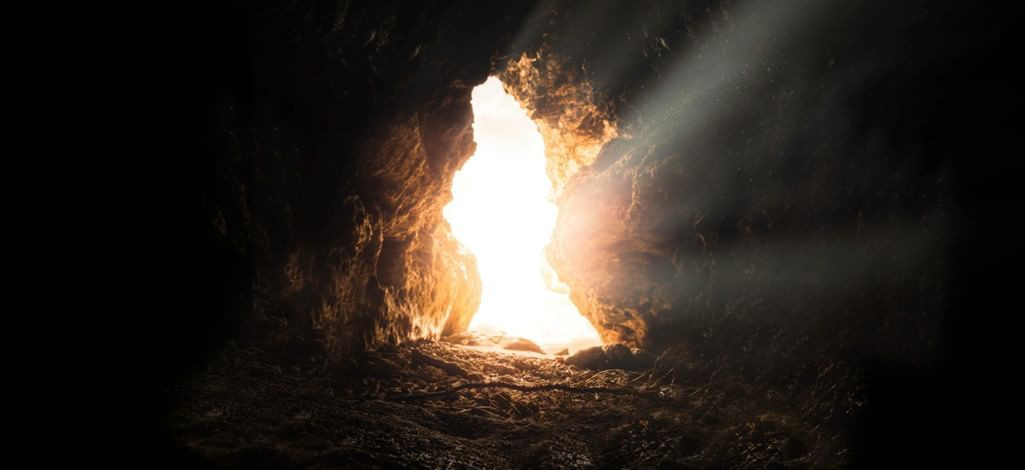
501	212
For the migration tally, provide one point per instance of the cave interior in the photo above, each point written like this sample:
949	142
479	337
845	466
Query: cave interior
766	213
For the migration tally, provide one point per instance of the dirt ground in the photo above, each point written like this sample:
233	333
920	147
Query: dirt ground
442	405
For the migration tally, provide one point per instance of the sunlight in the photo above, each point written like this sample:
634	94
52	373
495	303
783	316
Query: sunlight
501	212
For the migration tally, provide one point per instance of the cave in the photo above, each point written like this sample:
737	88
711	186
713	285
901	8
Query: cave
555	234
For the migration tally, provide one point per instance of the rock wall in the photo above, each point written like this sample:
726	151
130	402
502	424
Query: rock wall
748	181
574	121
772	193
333	141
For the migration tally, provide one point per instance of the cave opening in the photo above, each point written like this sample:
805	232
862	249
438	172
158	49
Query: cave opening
503	211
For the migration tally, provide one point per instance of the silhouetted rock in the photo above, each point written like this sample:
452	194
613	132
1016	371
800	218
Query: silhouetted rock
523	344
641	358
617	354
611	356
590	358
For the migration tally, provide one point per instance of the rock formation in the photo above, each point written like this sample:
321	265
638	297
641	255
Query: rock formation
748	182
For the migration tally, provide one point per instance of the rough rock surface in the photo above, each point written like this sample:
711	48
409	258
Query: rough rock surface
574	121
332	145
757	200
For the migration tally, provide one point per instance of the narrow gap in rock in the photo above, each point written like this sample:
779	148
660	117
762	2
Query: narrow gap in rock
502	212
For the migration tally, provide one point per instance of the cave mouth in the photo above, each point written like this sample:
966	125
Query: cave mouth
502	211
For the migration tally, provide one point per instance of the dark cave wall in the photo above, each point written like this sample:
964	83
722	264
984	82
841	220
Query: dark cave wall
772	189
777	196
333	132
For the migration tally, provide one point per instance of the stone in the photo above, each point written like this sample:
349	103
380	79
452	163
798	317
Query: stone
642	359
617	355
611	356
465	339
523	344
590	358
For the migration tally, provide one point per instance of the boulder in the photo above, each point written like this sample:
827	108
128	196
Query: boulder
611	356
523	344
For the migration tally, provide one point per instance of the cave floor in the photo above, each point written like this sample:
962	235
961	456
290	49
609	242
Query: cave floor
402	408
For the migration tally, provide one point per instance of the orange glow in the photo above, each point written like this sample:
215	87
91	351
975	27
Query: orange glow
501	212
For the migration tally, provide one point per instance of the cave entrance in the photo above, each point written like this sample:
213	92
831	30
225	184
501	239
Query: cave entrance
502	212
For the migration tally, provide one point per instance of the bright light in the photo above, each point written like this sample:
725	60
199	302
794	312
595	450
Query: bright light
502	213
